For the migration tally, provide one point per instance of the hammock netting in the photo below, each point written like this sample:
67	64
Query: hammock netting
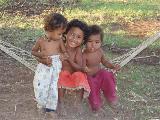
30	62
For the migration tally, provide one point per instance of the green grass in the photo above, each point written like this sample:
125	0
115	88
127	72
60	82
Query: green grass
3	2
129	10
145	84
142	79
101	13
121	41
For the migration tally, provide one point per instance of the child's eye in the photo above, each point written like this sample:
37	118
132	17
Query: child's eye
72	34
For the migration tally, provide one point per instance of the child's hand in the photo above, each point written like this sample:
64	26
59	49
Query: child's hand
116	67
47	61
64	56
43	55
86	69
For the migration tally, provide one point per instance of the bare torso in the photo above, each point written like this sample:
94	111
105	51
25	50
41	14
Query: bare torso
50	47
72	55
93	60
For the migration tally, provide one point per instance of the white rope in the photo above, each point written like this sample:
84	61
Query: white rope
19	54
14	47
123	60
140	48
27	59
19	59
137	50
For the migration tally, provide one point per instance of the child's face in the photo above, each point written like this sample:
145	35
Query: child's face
55	34
94	43
74	37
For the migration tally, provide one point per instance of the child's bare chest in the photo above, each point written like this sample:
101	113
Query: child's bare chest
51	47
72	55
93	59
66	65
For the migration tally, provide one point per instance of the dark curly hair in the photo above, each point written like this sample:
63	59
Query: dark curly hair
54	21
94	30
79	24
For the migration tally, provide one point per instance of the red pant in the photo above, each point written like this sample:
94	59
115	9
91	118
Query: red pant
105	81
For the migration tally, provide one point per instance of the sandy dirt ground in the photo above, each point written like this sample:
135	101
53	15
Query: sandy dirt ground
17	98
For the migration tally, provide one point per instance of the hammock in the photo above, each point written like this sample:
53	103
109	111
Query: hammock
29	61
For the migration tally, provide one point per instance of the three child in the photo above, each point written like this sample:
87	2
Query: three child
66	67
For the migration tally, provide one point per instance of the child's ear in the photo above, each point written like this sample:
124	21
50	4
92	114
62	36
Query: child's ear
64	38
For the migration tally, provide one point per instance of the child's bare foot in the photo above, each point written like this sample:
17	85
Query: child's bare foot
52	115
79	108
115	107
99	112
61	110
41	111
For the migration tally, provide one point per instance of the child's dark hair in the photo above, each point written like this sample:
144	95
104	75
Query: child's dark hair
94	30
54	21
79	24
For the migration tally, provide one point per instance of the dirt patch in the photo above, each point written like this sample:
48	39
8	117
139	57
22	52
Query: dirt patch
17	97
116	26
31	8
142	28
28	8
136	28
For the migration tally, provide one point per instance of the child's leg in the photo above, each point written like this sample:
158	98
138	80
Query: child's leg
79	98
94	97
61	92
109	87
61	108
79	94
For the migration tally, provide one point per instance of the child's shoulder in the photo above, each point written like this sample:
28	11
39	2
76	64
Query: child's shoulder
40	39
78	49
101	51
84	51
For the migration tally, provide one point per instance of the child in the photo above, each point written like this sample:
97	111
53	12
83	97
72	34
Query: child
71	76
98	78
46	77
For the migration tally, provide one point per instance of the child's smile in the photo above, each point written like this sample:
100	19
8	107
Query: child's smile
75	37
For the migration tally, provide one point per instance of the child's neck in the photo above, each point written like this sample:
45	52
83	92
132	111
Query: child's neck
48	39
88	51
70	48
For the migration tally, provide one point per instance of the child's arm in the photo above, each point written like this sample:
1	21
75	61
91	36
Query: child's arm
36	49
46	61
63	48
107	63
64	51
78	64
84	64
